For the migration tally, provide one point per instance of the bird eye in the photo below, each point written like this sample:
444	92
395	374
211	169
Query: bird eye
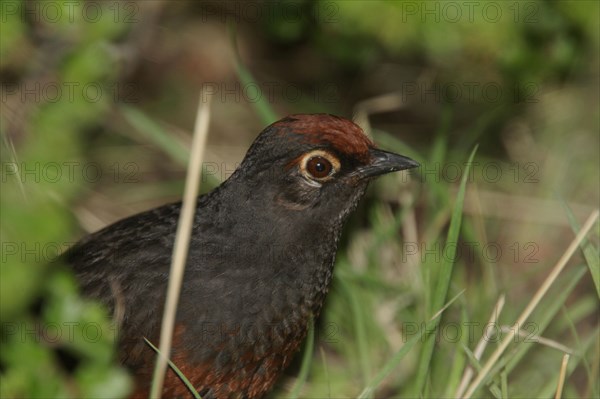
319	167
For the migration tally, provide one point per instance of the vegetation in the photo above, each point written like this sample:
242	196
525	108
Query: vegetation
98	102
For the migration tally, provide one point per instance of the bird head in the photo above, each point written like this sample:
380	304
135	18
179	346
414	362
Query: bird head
316	162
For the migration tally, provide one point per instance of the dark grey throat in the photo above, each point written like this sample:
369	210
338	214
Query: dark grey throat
278	261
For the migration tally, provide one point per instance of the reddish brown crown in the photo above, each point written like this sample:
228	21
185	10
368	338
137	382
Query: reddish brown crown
322	129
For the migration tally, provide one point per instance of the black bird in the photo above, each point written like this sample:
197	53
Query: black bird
260	259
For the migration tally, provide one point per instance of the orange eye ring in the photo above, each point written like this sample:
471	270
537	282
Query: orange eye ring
319	165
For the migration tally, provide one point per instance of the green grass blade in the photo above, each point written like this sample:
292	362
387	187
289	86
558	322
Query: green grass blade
398	356
359	329
156	134
262	107
588	347
458	364
546	315
306	360
187	382
498	392
443	278
473	362
589	251
325	371
578	345
504	384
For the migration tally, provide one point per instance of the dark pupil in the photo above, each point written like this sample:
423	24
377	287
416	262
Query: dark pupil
319	167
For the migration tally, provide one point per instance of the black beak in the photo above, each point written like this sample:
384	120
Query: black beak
383	162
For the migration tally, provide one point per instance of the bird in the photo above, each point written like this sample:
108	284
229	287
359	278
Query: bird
260	259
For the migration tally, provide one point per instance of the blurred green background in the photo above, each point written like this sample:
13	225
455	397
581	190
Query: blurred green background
98	103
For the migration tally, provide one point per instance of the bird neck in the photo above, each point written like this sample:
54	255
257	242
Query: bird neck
291	251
